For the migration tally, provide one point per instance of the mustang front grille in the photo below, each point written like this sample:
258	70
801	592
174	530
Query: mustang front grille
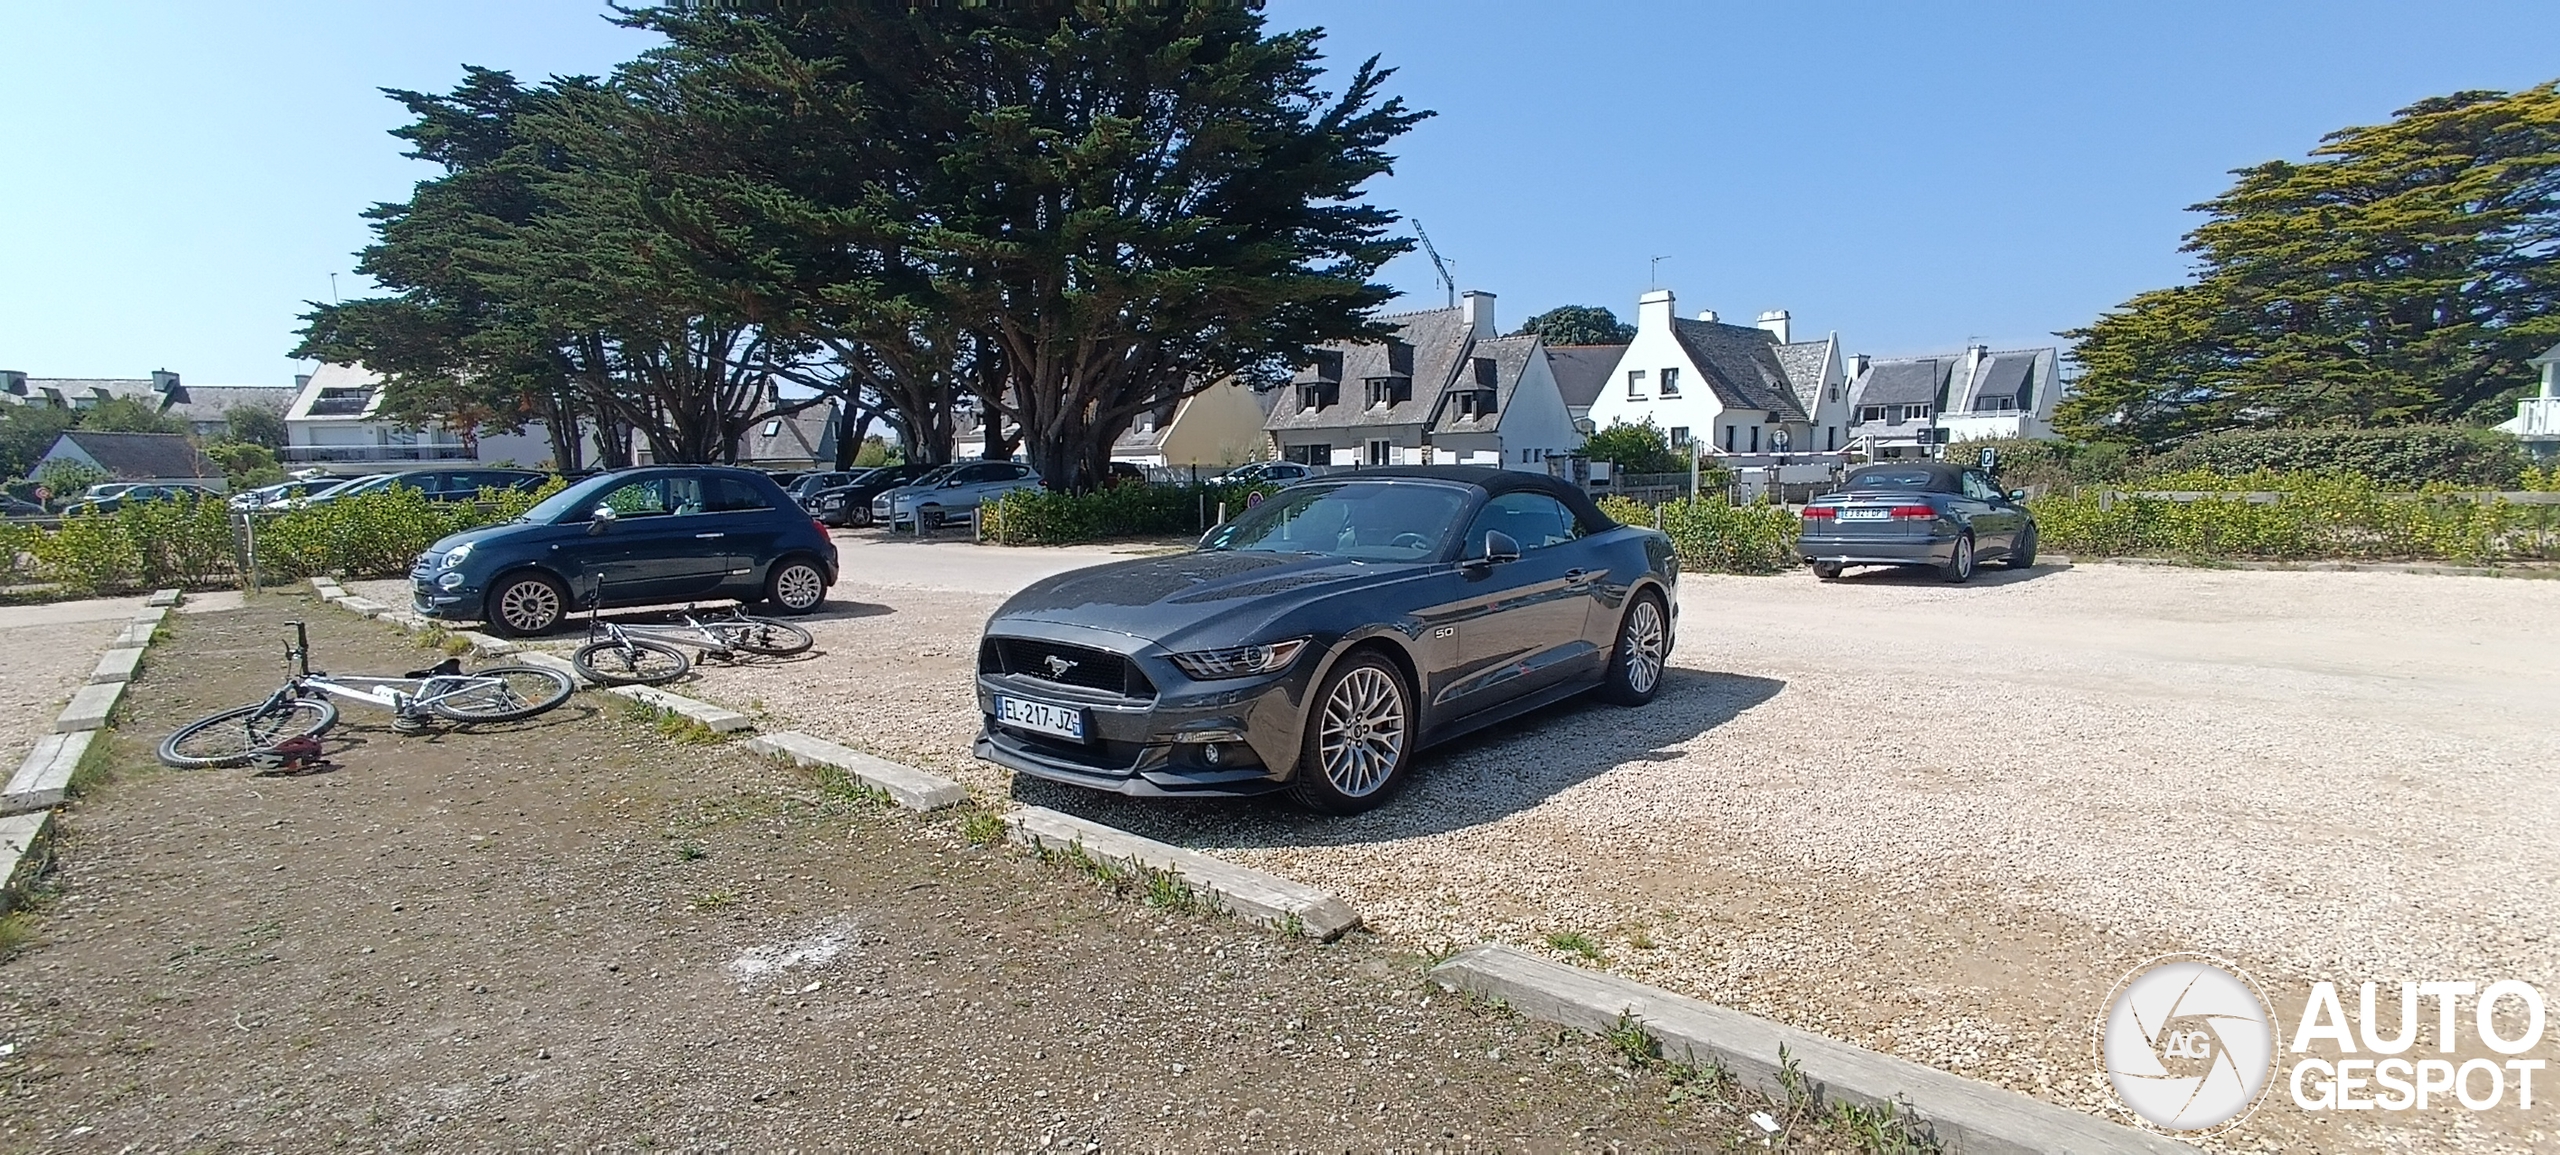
1065	665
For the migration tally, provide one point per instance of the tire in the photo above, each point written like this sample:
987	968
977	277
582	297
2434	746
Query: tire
524	691
2023	554
1643	652
1345	765
1828	570
633	662
526	604
796	586
762	636
233	737
1959	567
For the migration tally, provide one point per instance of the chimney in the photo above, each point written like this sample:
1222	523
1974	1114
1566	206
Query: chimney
1707	315
1857	365
1775	321
301	379
1653	311
163	381
1477	308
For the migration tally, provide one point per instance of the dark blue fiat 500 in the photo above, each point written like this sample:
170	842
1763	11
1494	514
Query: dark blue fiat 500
633	537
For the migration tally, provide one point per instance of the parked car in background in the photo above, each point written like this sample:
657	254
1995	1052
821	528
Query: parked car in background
950	491
808	485
1266	473
283	493
647	536
135	494
1922	513
1315	643
12	507
437	484
850	503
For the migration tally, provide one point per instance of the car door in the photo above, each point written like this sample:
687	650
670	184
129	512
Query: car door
661	546
1529	624
1994	529
750	528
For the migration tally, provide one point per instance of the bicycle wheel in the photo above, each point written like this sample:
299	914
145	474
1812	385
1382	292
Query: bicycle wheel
761	636
235	736
504	694
631	661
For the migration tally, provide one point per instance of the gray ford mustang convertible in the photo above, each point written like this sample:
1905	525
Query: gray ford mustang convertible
1315	643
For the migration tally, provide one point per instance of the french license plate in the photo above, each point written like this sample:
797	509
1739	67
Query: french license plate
1024	714
1862	515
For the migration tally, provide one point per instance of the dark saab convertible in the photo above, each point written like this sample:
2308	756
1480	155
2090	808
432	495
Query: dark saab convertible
1315	643
1919	513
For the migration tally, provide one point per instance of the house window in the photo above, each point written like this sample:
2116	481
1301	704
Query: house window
1830	438
1635	384
1670	382
1831	392
1382	452
1384	391
1679	437
1313	398
1728	439
1475	403
1871	413
1319	453
773	429
1755	439
1915	412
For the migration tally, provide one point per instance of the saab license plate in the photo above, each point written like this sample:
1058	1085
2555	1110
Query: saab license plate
1042	717
1862	515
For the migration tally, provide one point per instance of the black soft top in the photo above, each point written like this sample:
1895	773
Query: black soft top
1943	478
1494	482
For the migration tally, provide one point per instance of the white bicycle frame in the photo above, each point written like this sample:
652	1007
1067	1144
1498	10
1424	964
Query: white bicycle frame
393	694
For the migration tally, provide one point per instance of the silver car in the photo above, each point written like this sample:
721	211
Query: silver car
954	489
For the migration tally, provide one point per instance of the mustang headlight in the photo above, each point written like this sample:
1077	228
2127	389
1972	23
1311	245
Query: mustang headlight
453	558
1240	661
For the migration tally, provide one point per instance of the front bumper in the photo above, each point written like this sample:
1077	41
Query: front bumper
1151	747
429	600
1936	549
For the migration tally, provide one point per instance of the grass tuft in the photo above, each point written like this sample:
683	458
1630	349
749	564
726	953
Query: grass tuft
1632	1042
982	827
17	933
1575	942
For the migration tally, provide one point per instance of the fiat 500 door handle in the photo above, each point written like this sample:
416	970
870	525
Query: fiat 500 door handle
708	536
1578	577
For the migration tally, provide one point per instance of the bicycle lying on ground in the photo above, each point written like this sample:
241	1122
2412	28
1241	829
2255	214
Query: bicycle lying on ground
302	707
648	654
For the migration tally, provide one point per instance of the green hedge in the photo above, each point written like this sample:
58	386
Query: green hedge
1712	535
1044	517
2319	516
157	544
2399	458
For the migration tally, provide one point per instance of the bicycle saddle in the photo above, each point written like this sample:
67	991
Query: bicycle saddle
444	669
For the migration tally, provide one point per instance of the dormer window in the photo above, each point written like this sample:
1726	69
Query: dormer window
1316	396
1385	391
1475	403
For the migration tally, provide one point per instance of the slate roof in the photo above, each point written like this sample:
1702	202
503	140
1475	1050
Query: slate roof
1499	363
1740	363
2000	376
1582	371
135	456
808	435
73	391
1439	339
1903	381
209	403
1803	362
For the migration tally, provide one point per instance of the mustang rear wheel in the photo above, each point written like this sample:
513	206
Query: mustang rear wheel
1359	738
1644	645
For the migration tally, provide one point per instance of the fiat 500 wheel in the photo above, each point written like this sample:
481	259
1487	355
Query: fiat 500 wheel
527	604
797	586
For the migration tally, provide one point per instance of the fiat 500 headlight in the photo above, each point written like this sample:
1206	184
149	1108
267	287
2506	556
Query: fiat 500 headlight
1240	661
453	558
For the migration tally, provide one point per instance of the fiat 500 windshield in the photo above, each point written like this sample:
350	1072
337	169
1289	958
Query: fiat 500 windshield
1394	522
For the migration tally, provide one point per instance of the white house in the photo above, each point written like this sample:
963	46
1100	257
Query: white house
1902	405
1446	389
1732	388
2537	419
332	422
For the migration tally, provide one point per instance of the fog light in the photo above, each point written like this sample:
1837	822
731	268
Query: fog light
449	579
1213	753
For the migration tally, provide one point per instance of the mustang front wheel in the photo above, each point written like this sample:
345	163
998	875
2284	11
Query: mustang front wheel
1359	738
1644	644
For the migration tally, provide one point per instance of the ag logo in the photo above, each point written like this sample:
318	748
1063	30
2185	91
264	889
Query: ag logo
2188	1044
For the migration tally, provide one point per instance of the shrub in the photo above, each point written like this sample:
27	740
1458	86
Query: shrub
2400	458
18	553
1045	517
90	554
370	535
178	543
1713	535
2050	464
1636	448
2315	516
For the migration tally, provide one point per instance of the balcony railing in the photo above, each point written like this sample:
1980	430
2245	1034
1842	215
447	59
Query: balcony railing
310	454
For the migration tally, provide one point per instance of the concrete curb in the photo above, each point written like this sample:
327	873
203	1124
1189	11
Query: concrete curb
164	597
22	840
89	707
43	779
1257	896
117	665
905	785
135	636
485	645
577	677
1966	1116
720	719
151	616
363	607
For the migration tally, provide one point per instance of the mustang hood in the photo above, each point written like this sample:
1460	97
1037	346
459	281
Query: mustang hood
1163	598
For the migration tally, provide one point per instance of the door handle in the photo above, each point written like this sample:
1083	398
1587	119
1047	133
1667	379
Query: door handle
1575	577
708	536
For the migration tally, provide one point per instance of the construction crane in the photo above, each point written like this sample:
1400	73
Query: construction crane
1437	265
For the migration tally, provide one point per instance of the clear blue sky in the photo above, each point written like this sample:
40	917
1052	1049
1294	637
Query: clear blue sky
177	178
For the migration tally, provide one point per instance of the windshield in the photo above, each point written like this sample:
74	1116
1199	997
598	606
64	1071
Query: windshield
1364	521
937	476
576	499
1915	480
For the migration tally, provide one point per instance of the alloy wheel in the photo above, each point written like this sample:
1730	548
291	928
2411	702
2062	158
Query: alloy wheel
529	606
1642	645
799	586
1363	732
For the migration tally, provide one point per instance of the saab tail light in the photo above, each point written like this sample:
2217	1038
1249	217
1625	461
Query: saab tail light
1812	512
1913	513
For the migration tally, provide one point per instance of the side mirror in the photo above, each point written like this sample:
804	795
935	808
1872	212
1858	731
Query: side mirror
2017	495
601	520
1498	548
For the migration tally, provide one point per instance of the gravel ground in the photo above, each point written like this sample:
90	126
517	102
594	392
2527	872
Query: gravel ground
572	934
1939	821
